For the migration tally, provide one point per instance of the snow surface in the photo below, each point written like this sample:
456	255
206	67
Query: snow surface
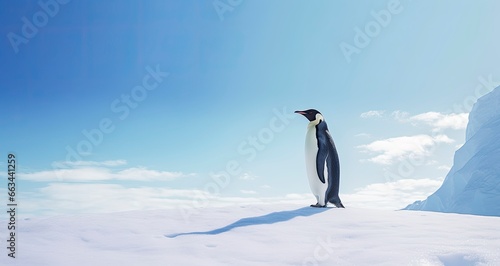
273	234
473	184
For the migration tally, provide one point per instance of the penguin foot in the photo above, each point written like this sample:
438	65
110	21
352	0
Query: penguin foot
339	205
317	205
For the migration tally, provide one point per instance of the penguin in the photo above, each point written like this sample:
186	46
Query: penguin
322	161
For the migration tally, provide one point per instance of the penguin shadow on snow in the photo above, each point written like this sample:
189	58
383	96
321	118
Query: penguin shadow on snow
271	218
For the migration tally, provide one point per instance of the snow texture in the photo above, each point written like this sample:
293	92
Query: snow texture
473	184
273	234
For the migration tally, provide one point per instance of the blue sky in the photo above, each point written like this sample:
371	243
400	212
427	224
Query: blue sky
397	107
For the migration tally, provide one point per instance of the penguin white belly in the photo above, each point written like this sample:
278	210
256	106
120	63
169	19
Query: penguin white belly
318	188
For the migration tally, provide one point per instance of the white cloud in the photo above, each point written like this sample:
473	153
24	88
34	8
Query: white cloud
246	177
400	115
248	191
72	198
391	195
141	174
95	171
439	121
69	164
431	162
64	198
397	149
371	114
444	168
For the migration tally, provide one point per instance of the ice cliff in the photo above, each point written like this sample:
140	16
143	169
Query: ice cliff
473	184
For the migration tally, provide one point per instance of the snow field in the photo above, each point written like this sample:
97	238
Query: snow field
274	234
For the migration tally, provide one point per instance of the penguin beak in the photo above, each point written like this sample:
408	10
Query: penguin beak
300	112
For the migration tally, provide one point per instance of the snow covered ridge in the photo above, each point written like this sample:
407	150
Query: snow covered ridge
473	184
273	234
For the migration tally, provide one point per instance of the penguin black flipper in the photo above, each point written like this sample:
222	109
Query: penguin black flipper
323	152
323	149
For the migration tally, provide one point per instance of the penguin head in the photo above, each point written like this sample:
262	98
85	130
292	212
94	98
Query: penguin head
311	115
